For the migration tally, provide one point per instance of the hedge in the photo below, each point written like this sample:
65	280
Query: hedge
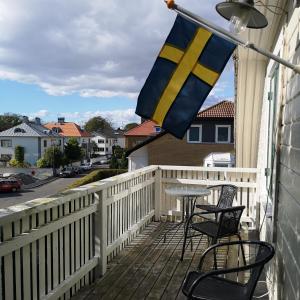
95	176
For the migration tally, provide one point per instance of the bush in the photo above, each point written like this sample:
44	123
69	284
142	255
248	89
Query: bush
95	176
16	164
42	163
19	154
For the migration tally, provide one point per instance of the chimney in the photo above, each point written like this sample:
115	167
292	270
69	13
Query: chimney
25	119
38	121
61	120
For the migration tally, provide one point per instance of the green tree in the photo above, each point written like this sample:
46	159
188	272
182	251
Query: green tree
130	126
19	154
118	151
123	164
9	120
114	164
97	124
52	157
73	151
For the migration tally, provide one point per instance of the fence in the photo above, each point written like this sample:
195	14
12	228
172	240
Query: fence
52	247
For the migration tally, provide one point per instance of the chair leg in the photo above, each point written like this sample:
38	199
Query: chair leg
243	252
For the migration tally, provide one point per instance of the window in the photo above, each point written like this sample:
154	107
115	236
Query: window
6	143
194	134
45	143
19	130
157	129
223	134
106	149
101	149
100	141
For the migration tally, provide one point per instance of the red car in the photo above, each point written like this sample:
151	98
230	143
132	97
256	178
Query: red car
9	185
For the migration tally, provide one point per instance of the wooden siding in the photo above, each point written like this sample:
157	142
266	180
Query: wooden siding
168	150
132	141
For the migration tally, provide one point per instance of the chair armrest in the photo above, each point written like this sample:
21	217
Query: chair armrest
207	207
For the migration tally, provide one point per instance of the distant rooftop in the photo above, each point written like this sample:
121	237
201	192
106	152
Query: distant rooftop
224	109
68	129
147	128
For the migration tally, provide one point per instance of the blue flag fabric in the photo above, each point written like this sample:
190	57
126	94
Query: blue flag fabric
188	66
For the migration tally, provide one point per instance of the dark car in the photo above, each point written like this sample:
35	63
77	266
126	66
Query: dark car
67	172
9	185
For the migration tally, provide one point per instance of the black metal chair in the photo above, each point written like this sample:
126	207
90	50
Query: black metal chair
225	224
225	200
236	282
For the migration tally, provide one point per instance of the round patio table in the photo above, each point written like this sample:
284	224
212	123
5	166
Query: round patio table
189	196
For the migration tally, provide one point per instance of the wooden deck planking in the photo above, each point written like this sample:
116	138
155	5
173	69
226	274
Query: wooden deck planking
148	268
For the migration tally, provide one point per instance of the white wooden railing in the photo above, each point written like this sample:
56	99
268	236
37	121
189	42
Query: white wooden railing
52	247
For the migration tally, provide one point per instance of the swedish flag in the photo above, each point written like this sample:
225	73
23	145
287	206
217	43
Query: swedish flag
188	66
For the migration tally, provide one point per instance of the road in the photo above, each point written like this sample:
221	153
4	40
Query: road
9	199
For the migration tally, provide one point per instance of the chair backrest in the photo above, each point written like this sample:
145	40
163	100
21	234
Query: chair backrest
264	253
227	195
229	221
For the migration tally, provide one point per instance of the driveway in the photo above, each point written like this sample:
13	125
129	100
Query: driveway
9	199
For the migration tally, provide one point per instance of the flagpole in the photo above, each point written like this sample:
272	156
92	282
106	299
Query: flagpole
228	35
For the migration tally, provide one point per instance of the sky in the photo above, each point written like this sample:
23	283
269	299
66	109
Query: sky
80	59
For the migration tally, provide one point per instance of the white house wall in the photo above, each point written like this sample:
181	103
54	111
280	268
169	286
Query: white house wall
282	225
138	159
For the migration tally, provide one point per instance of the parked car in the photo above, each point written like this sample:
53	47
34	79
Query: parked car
67	172
9	185
77	170
85	167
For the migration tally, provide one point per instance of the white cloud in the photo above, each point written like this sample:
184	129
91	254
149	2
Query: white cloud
118	118
93	48
39	114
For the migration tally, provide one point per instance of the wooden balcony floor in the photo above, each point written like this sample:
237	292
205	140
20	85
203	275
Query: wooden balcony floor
148	268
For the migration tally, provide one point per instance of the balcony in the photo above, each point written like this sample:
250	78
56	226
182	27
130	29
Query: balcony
53	248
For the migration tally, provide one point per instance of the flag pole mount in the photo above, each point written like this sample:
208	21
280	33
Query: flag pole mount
228	35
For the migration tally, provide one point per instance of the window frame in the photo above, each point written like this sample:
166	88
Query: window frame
200	134
7	140
229	134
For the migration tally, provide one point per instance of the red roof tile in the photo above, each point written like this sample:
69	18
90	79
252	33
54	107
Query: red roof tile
147	128
224	109
68	129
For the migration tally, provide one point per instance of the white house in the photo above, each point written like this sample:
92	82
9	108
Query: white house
268	137
106	140
32	136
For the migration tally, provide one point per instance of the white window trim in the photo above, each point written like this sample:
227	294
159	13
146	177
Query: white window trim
200	135
229	134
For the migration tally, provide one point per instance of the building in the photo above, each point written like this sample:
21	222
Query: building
268	131
212	131
32	136
69	130
140	133
103	142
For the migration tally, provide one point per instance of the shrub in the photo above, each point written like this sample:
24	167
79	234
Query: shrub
19	154
16	164
41	163
95	176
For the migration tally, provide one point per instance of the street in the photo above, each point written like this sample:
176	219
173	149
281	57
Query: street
9	199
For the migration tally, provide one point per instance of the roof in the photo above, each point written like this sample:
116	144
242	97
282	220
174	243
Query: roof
224	109
68	129
147	128
28	129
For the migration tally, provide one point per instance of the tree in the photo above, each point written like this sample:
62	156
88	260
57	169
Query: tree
19	154
114	164
118	151
73	151
9	120
97	124
52	157
123	164
130	126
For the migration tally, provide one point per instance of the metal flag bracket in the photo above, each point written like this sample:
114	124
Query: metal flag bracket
228	35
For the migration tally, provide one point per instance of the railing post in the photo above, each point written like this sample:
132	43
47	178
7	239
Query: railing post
101	233
158	190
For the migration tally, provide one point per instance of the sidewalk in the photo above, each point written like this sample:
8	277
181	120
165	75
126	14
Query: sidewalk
39	183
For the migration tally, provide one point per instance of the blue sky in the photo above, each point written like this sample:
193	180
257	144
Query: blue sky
87	59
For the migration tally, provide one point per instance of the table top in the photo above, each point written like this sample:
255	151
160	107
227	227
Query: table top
187	191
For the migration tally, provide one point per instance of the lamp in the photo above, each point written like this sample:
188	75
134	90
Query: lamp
241	14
